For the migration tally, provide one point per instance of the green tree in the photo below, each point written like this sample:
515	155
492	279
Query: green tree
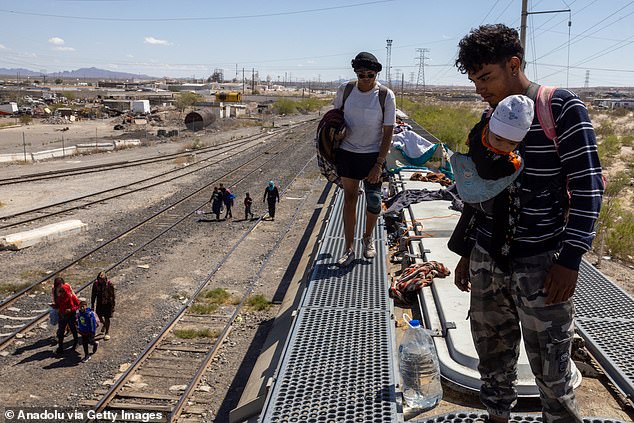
59	81
284	106
187	99
70	96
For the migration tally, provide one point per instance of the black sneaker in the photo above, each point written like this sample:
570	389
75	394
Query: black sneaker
59	351
95	346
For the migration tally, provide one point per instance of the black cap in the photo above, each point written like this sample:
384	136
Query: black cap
365	60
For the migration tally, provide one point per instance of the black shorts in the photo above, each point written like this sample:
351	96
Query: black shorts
355	165
104	310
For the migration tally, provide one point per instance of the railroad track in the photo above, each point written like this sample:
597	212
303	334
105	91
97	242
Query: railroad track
28	307
51	210
170	367
60	173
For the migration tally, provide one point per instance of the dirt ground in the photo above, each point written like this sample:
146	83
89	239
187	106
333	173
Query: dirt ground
31	375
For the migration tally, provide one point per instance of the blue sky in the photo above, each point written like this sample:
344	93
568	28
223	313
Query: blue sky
309	41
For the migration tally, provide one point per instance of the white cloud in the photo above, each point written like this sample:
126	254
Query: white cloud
156	41
129	55
2	47
56	41
60	48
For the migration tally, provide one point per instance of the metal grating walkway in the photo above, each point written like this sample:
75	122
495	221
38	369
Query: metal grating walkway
479	417
605	318
338	364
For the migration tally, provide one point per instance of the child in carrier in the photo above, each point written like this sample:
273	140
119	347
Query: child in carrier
487	177
87	327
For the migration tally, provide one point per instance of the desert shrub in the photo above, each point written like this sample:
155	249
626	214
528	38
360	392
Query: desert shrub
619	240
26	119
310	104
619	112
608	148
10	288
191	333
203	308
605	128
219	296
258	302
284	106
187	99
449	123
627	140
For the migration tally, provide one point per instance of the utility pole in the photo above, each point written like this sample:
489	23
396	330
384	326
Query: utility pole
243	81
402	88
421	66
252	81
523	27
388	63
525	14
586	84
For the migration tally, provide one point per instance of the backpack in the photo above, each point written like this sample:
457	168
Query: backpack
330	124
542	95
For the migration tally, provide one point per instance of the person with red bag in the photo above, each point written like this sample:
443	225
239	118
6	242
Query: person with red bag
67	304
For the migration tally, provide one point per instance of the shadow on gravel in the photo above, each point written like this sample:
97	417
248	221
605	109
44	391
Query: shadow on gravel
70	358
47	342
244	371
211	220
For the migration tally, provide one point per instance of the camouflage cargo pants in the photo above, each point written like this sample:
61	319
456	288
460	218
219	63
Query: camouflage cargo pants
500	304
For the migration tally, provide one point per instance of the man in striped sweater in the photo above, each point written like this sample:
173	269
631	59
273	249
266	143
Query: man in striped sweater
555	227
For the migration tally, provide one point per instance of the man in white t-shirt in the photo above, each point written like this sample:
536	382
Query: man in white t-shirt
362	153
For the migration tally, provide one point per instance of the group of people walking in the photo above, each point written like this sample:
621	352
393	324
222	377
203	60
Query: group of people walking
222	197
73	314
520	252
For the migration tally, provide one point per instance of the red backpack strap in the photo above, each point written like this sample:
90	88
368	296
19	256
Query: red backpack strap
545	112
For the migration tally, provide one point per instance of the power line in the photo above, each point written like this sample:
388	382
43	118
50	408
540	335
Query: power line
577	38
195	18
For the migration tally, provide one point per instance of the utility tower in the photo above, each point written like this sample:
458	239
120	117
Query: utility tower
388	63
421	66
586	84
397	75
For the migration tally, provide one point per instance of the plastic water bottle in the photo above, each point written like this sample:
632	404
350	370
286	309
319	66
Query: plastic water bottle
418	366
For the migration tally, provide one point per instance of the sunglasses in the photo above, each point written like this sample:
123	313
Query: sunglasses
369	75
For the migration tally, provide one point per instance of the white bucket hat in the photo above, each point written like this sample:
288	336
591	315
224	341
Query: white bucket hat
512	117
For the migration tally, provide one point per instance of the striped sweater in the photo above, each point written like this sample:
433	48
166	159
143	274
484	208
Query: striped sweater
542	225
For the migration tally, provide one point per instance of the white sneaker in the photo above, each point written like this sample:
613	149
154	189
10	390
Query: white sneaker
369	250
346	259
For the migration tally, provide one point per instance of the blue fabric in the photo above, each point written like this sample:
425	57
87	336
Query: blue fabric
418	163
471	187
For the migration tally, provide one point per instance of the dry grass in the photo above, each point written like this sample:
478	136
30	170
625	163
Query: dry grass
10	288
191	333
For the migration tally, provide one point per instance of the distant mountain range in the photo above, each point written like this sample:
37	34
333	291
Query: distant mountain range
89	73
